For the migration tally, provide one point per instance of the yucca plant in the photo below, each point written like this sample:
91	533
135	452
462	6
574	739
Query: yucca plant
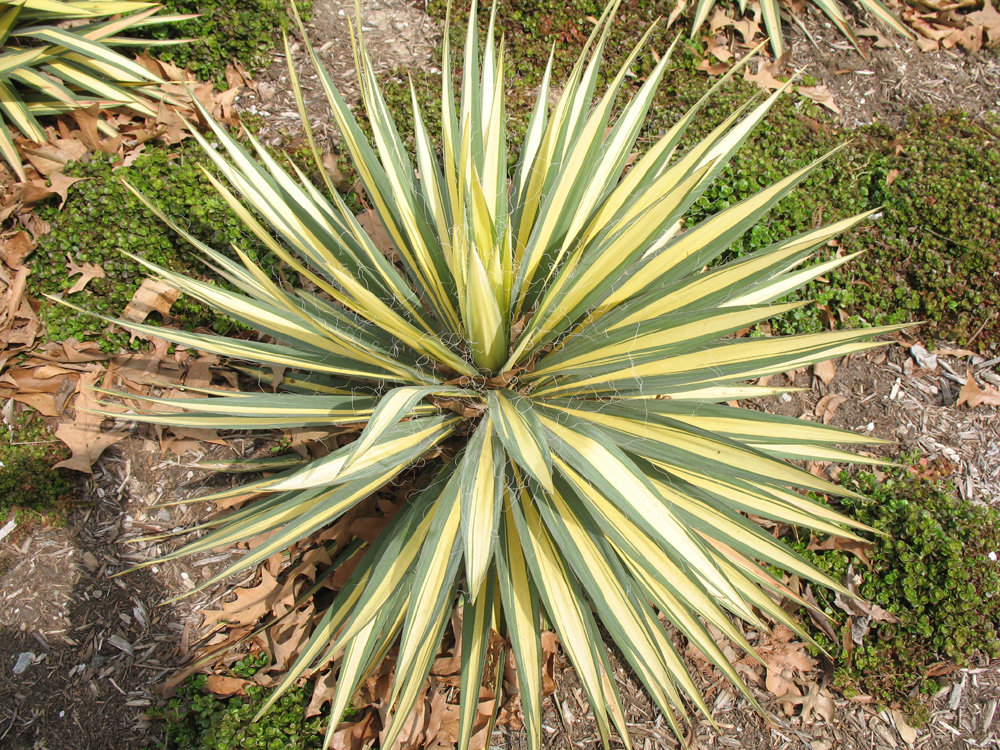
552	350
57	55
771	11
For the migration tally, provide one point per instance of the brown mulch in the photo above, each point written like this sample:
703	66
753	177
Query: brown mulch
80	651
896	80
398	34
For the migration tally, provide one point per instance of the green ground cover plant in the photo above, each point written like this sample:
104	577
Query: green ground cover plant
29	487
935	570
248	31
103	221
934	252
195	719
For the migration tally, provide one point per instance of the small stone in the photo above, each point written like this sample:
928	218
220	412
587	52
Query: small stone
90	562
24	660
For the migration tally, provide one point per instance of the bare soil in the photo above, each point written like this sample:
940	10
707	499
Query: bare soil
895	81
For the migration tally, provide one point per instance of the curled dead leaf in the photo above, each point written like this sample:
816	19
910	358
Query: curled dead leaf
225	686
374	228
14	248
954	353
821	95
338	178
856	548
906	732
826	371
764	77
713	69
152	295
251	603
818	701
828	405
83	435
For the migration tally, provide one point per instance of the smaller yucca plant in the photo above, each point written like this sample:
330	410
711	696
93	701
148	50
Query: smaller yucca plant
49	66
553	350
771	11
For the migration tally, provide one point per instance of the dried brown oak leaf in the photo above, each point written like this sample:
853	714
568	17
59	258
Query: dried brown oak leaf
764	77
250	604
974	396
88	272
842	544
152	295
225	686
14	248
828	405
821	95
826	371
818	701
83	435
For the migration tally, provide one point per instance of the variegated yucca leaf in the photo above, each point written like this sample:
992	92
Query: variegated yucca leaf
551	349
771	12
49	67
